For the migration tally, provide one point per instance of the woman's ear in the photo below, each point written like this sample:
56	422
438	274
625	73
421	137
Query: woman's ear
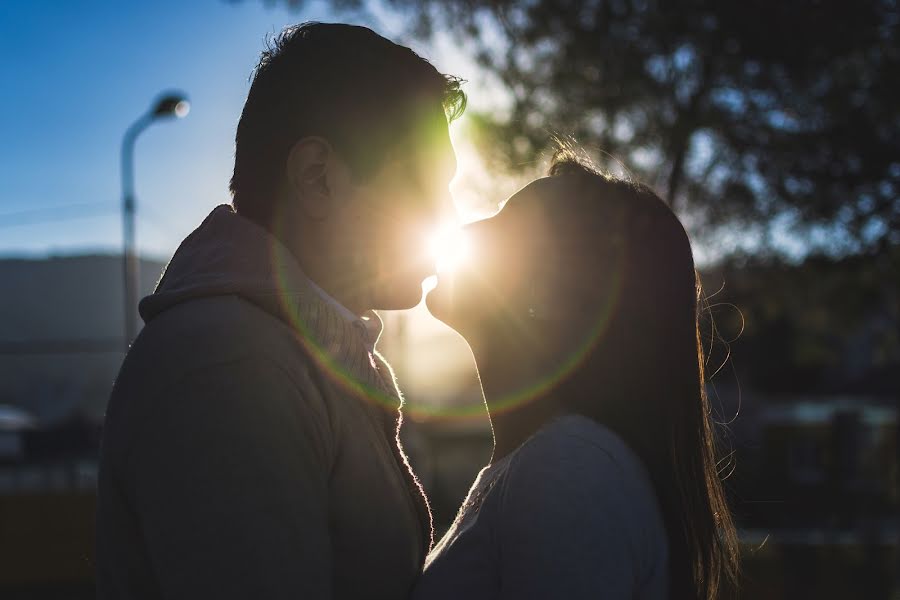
307	170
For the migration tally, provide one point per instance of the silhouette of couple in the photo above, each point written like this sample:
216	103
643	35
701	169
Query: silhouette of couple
252	441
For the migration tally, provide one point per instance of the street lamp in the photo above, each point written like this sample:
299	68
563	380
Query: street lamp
173	104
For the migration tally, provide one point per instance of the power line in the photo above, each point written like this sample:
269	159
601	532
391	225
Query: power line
76	346
53	214
50	214
160	223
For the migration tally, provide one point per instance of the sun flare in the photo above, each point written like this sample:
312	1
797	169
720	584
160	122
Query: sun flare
449	247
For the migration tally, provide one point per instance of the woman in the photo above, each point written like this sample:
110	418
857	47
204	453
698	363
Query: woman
581	312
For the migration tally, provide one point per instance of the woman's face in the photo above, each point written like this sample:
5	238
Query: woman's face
494	294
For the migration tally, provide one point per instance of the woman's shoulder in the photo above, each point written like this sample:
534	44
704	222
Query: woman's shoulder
572	442
576	493
575	461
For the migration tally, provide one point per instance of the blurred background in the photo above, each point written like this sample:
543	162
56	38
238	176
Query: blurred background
772	128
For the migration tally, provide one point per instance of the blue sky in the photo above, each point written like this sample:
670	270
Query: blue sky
76	74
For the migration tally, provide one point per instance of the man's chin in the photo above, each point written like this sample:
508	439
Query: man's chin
401	296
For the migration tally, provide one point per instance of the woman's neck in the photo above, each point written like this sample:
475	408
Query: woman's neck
516	406
512	427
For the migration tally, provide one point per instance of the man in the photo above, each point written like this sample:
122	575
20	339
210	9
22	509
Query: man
251	445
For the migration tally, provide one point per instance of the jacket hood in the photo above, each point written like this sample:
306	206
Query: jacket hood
230	255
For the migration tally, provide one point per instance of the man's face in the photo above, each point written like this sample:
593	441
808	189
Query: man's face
393	214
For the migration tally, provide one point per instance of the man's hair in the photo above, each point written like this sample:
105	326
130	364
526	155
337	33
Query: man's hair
363	93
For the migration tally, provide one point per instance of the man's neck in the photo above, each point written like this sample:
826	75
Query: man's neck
336	285
342	308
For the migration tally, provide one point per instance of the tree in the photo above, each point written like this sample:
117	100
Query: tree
827	326
758	115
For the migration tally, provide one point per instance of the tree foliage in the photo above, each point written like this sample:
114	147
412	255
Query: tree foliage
827	326
740	113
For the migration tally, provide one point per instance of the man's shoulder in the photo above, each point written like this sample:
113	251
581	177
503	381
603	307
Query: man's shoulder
214	317
214	335
212	330
205	351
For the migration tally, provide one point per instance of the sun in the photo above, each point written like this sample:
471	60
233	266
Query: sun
449	247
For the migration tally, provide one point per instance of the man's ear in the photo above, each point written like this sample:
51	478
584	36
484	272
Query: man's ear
307	170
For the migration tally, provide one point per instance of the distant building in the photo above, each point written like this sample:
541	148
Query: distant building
61	340
819	463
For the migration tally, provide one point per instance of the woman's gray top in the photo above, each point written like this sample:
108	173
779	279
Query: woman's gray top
570	514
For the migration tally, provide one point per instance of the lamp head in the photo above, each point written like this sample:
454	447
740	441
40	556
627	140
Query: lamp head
172	105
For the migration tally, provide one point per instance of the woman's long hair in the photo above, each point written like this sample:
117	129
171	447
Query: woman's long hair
644	375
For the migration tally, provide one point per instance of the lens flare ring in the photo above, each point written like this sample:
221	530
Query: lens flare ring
450	248
594	335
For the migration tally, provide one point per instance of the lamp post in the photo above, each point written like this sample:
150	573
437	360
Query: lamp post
168	105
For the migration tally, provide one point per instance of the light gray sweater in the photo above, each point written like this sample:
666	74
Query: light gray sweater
250	449
570	514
